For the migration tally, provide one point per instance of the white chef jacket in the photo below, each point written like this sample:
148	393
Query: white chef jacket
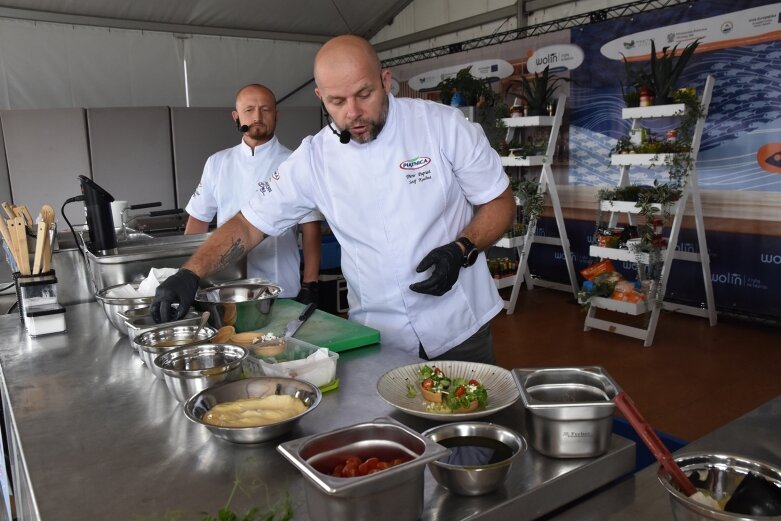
229	178
390	202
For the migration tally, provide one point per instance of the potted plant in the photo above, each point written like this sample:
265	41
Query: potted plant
666	68
537	92
468	88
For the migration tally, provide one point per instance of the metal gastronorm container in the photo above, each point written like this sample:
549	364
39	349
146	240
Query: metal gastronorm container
569	410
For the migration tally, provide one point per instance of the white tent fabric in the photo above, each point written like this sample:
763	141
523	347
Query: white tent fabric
218	66
45	65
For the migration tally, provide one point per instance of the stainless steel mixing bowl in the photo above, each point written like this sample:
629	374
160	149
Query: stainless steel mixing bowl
155	342
244	304
191	369
719	475
139	320
257	387
112	305
481	456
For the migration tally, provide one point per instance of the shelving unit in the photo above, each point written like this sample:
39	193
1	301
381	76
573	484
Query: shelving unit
547	185
690	191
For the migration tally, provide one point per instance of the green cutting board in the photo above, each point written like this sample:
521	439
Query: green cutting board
321	329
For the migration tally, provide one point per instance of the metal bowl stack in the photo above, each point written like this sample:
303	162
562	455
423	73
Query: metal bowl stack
243	304
258	387
140	320
191	369
113	305
480	458
155	342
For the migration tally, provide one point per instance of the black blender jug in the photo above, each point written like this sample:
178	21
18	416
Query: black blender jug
97	202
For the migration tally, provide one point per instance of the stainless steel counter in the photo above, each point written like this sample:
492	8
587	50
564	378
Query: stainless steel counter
642	498
95	436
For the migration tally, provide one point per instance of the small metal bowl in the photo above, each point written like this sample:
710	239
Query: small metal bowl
157	341
719	475
139	320
189	370
112	306
480	458
257	387
243	304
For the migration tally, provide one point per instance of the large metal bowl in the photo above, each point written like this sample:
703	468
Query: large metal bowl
719	475
257	387
112	305
480	458
157	341
243	304
191	369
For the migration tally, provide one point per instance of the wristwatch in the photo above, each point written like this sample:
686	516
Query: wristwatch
470	251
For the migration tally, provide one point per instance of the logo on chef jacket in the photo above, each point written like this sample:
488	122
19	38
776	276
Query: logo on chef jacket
415	163
275	175
264	187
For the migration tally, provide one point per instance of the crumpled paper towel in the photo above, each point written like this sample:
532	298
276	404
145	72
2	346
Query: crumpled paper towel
146	288
318	373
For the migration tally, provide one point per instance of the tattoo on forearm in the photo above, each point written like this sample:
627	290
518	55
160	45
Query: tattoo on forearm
235	252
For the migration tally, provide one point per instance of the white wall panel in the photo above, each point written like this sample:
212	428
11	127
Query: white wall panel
131	154
197	134
47	150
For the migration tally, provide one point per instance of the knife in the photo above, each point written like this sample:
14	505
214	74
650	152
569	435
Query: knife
293	325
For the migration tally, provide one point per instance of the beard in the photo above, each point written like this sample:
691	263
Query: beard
373	128
259	133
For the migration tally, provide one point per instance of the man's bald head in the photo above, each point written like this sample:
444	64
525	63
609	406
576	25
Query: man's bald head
256	88
346	52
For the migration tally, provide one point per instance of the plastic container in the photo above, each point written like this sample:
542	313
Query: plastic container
44	319
293	363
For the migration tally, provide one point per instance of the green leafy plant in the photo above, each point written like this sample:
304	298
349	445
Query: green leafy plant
532	201
667	68
538	91
470	88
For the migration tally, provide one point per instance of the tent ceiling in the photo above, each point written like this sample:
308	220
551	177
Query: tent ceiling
297	20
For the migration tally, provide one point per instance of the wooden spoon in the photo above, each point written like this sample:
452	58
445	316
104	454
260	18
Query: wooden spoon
43	231
47	214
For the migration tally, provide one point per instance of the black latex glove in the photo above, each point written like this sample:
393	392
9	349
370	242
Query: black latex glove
310	292
179	288
447	261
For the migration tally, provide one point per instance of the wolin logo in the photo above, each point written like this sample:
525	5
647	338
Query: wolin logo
769	258
415	163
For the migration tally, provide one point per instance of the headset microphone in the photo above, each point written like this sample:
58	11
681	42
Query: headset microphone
344	135
241	128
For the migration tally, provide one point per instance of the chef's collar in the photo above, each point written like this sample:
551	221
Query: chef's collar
386	130
246	150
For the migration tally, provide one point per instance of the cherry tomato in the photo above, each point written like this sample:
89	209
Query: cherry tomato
338	470
374	471
353	461
428	383
473	382
349	471
396	461
367	465
382	465
460	391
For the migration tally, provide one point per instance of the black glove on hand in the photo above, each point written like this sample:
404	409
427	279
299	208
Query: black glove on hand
179	288
447	261
310	292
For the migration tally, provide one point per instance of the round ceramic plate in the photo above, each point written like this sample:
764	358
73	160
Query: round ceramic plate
502	391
